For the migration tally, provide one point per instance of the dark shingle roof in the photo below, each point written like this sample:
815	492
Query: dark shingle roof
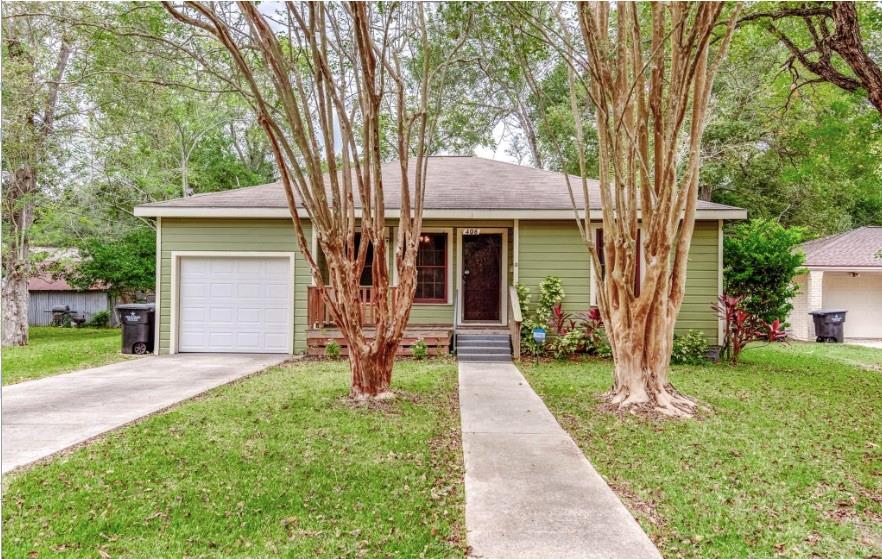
858	248
453	182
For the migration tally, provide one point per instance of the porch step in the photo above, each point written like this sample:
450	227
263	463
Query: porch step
483	347
485	358
482	338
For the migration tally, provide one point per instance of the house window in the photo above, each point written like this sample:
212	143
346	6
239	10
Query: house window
598	240
431	268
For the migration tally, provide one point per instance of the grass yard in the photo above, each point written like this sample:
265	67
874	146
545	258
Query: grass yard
60	350
789	464
278	465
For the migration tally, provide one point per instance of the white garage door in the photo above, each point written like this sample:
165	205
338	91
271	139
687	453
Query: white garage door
861	296
237	305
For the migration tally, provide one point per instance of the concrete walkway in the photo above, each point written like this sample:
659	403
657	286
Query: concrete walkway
530	492
42	417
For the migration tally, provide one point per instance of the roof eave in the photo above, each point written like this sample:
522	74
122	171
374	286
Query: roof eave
482	213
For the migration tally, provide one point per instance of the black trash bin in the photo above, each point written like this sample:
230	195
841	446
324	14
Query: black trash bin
137	325
829	324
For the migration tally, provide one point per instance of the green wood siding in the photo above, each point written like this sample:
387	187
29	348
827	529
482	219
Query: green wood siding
545	248
554	248
702	282
234	235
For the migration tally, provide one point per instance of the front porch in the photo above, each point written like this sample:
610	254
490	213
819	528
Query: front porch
466	273
440	338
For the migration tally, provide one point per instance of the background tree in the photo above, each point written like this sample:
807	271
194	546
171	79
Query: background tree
193	135
358	76
124	267
36	57
760	265
829	42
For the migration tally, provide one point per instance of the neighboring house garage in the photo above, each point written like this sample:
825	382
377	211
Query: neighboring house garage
844	272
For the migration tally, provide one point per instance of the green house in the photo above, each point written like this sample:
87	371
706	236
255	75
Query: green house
230	276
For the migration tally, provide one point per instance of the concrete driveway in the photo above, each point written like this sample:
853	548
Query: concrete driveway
42	417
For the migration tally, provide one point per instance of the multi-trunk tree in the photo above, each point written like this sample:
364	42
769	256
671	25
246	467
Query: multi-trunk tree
647	71
337	88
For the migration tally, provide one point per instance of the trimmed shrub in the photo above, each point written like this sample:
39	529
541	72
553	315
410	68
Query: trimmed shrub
332	350
760	264
419	350
689	349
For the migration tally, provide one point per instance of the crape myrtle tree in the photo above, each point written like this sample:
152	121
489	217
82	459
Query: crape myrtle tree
336	87
647	71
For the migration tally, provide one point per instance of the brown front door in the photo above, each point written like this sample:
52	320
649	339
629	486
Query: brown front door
481	276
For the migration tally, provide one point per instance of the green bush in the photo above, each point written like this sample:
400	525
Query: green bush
603	349
332	350
100	319
419	350
760	264
567	345
690	349
551	293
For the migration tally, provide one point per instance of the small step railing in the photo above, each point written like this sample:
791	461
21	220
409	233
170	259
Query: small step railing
515	319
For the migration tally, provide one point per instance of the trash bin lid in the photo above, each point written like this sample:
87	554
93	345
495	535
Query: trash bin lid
137	307
829	311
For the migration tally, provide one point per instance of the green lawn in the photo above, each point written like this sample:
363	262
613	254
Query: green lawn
59	350
788	464
280	464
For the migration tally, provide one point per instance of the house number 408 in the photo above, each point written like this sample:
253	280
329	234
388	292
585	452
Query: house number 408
471	231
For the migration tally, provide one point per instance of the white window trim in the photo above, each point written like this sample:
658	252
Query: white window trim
503	271
176	256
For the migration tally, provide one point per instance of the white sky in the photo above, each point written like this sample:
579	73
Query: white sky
500	152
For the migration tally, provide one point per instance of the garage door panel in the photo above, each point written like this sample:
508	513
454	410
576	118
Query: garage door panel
235	304
225	290
277	268
275	316
276	341
276	293
221	315
249	290
223	265
249	316
195	289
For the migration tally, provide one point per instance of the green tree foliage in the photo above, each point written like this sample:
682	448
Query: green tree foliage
125	266
760	264
801	153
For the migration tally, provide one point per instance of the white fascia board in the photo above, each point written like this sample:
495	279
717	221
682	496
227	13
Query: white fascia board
276	213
